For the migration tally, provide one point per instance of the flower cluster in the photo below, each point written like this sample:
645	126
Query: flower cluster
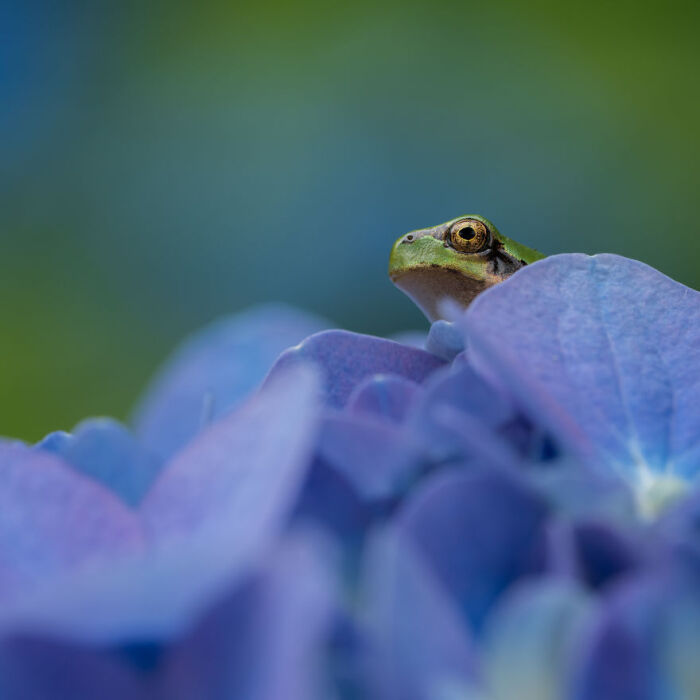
299	513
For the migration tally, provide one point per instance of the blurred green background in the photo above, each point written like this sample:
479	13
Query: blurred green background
162	164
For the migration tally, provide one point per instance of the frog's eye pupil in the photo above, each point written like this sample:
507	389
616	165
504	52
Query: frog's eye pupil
469	236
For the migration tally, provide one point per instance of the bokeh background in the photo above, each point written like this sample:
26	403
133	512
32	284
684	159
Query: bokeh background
164	163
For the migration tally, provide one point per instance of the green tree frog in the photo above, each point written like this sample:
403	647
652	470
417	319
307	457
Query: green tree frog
457	260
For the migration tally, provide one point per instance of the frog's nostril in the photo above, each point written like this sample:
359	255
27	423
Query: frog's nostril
409	238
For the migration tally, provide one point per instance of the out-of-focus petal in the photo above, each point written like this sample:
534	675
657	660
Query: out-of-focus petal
246	468
458	413
38	668
418	646
329	501
262	640
385	396
55	442
604	554
347	359
479	532
378	458
679	642
578	491
605	352
106	451
445	340
213	371
414	339
531	639
679	526
53	519
265	641
211	515
618	657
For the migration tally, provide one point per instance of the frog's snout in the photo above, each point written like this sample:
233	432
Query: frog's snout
397	259
413	236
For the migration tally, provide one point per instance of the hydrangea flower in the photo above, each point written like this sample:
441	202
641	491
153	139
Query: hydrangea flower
295	512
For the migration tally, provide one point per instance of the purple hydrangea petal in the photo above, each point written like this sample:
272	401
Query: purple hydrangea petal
530	639
329	501
53	520
378	458
479	532
445	340
248	466
414	339
458	414
457	429
347	359
106	451
55	442
605	351
604	553
679	647
384	396
618	658
679	528
264	641
153	596
36	668
213	371
213	512
580	492
417	643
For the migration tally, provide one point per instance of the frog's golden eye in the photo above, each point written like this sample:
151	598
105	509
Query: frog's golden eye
469	236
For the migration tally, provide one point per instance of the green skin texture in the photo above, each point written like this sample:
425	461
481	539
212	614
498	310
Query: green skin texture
425	266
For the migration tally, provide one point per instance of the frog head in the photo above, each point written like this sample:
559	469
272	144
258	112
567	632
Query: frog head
455	260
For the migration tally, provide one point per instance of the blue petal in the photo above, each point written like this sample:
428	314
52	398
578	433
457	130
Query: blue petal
55	442
213	371
619	656
445	340
263	639
106	451
459	415
581	492
385	396
605	351
53	520
530	638
414	339
479	532
604	554
594	552
417	643
329	501
679	637
213	512
248	467
347	359
679	526
36	668
378	458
